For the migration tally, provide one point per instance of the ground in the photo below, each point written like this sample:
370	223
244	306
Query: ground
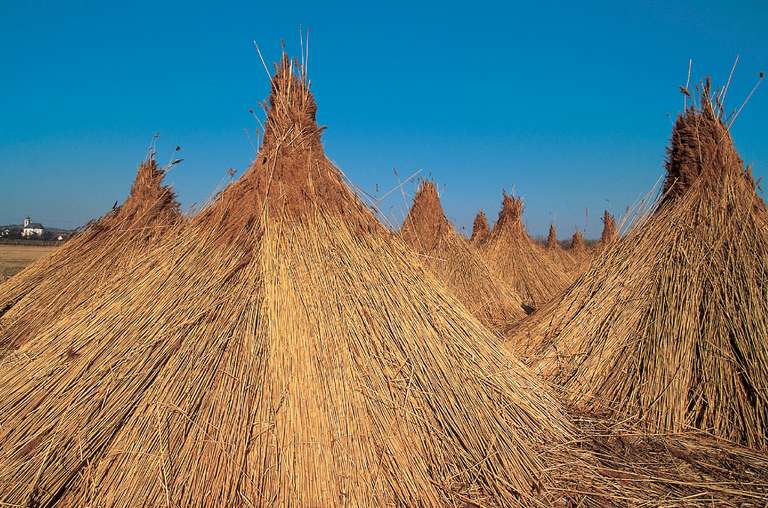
15	257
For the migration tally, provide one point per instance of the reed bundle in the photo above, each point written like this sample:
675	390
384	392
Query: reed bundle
559	255
672	470
610	232
427	231
285	350
670	323
519	260
480	229
294	353
52	286
580	251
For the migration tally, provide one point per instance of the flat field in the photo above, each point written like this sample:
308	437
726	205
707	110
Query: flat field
13	258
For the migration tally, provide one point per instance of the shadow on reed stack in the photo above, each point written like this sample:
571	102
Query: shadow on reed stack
456	264
287	349
58	283
670	324
521	261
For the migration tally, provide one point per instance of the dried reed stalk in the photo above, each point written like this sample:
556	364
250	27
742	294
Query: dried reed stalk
610	232
456	264
285	350
670	323
53	286
579	251
295	354
480	229
570	264
521	261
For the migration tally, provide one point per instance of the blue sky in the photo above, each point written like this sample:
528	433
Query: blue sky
569	106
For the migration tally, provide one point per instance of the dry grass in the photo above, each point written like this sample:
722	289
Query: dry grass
14	258
570	264
610	231
669	323
458	266
579	251
672	470
55	284
284	349
519	260
609	234
278	352
480	229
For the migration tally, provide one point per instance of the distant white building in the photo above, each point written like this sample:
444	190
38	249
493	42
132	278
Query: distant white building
31	229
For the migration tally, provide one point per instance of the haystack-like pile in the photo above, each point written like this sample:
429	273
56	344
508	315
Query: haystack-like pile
456	264
609	235
56	284
480	229
521	261
559	255
579	250
285	350
577	242
671	323
610	232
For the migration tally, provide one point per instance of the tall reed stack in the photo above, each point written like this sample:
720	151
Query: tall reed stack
427	231
559	255
286	349
55	285
610	232
480	229
519	260
579	250
670	324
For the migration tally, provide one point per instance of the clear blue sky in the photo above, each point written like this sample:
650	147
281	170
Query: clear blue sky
569	106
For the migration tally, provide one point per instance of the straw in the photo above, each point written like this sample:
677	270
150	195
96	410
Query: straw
519	260
51	287
480	229
670	322
456	264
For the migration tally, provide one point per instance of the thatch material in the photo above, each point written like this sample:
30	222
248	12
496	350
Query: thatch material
521	261
671	322
685	470
609	235
577	241
552	237
610	232
285	350
559	255
579	250
456	264
56	284
280	355
480	229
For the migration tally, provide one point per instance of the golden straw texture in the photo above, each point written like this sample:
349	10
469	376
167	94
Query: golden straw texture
286	350
456	264
519	260
58	283
670	322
